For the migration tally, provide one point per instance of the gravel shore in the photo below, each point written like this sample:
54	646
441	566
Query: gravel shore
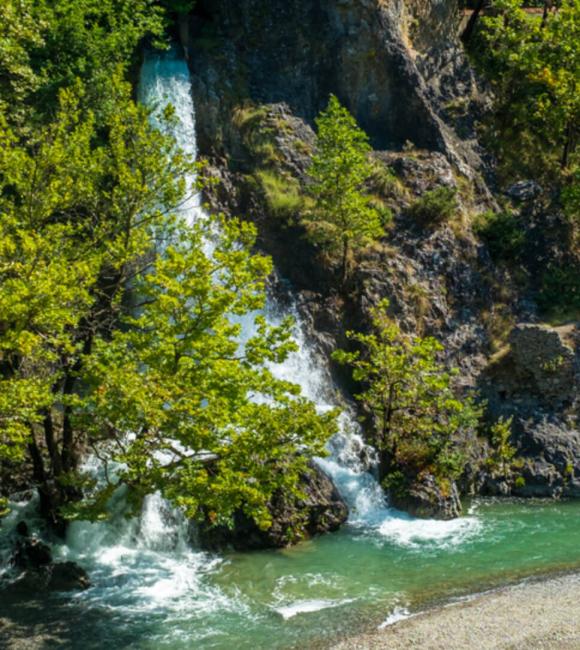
533	615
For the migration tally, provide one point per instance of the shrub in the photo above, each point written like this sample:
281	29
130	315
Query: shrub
560	290
435	207
503	234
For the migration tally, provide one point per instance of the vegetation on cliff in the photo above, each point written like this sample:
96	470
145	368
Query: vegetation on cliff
419	422
343	216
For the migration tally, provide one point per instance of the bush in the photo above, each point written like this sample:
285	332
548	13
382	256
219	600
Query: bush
503	234
560	291
435	207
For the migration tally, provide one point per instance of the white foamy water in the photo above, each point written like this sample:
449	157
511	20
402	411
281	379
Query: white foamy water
309	606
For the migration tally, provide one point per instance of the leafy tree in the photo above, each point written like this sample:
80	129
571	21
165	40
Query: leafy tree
343	217
168	392
408	393
46	46
211	428
534	67
502	451
75	218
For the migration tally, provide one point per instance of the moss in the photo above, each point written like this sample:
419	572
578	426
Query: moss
257	135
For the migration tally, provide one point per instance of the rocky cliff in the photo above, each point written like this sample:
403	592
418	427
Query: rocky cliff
262	70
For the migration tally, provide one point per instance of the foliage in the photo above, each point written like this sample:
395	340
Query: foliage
502	451
47	46
560	289
212	429
503	234
571	198
342	217
534	67
417	417
435	206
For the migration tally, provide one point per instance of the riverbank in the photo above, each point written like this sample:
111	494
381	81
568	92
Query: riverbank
530	615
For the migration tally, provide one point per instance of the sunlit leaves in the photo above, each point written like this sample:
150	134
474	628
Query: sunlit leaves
343	216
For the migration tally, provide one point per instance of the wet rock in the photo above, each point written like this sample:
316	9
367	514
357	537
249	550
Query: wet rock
59	576
427	499
31	553
323	510
38	571
68	576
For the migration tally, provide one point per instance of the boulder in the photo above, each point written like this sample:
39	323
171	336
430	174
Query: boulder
426	498
68	576
31	553
551	451
524	191
39	572
322	510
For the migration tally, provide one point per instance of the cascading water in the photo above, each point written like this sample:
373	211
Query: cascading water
151	589
165	80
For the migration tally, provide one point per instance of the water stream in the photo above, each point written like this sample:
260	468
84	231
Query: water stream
152	590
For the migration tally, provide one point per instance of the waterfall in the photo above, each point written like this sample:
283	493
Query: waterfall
145	567
165	79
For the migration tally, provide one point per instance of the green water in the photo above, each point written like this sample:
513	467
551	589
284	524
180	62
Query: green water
304	597
374	572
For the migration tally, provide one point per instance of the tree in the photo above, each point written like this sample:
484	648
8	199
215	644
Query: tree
417	417
342	217
211	428
80	228
76	215
534	67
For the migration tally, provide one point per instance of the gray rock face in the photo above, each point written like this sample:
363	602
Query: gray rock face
552	453
537	383
395	65
544	362
323	510
427	500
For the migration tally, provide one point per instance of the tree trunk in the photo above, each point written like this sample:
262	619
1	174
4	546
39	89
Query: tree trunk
470	27
344	271
547	7
568	147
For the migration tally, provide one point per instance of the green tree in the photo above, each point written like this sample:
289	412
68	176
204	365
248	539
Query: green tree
342	217
211	428
418	420
534	67
46	46
80	225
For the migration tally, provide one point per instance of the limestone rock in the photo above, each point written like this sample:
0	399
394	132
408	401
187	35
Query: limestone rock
543	359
